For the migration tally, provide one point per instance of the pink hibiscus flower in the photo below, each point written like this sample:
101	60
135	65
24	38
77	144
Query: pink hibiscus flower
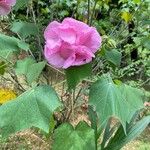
5	6
70	43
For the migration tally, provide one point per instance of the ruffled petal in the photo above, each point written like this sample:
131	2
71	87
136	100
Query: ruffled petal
90	39
51	32
56	60
10	2
4	9
78	26
67	35
69	62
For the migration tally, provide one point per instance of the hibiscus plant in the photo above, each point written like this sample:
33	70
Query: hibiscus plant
69	46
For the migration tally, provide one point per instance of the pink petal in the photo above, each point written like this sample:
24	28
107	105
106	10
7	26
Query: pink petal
51	32
81	60
91	39
53	43
4	9
82	56
69	62
68	35
48	51
78	26
11	2
66	50
55	60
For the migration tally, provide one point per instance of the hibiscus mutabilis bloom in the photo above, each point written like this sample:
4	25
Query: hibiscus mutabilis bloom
70	43
5	6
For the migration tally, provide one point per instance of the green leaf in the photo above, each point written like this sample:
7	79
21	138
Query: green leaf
93	119
24	29
75	74
146	42
33	108
137	1
29	68
34	71
20	4
120	139
146	22
23	65
134	98
11	44
109	100
66	137
113	56
107	133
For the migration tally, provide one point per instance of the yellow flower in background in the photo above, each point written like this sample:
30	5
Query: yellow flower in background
6	95
126	16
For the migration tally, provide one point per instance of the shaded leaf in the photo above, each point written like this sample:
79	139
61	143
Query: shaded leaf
75	74
113	56
3	67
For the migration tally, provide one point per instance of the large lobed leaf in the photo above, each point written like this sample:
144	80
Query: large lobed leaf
66	137
119	101
33	108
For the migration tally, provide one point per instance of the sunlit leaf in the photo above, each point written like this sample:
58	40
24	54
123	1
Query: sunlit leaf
24	29
109	100
11	44
126	16
29	68
33	108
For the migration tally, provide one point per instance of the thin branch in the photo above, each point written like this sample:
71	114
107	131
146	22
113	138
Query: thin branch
88	21
93	12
